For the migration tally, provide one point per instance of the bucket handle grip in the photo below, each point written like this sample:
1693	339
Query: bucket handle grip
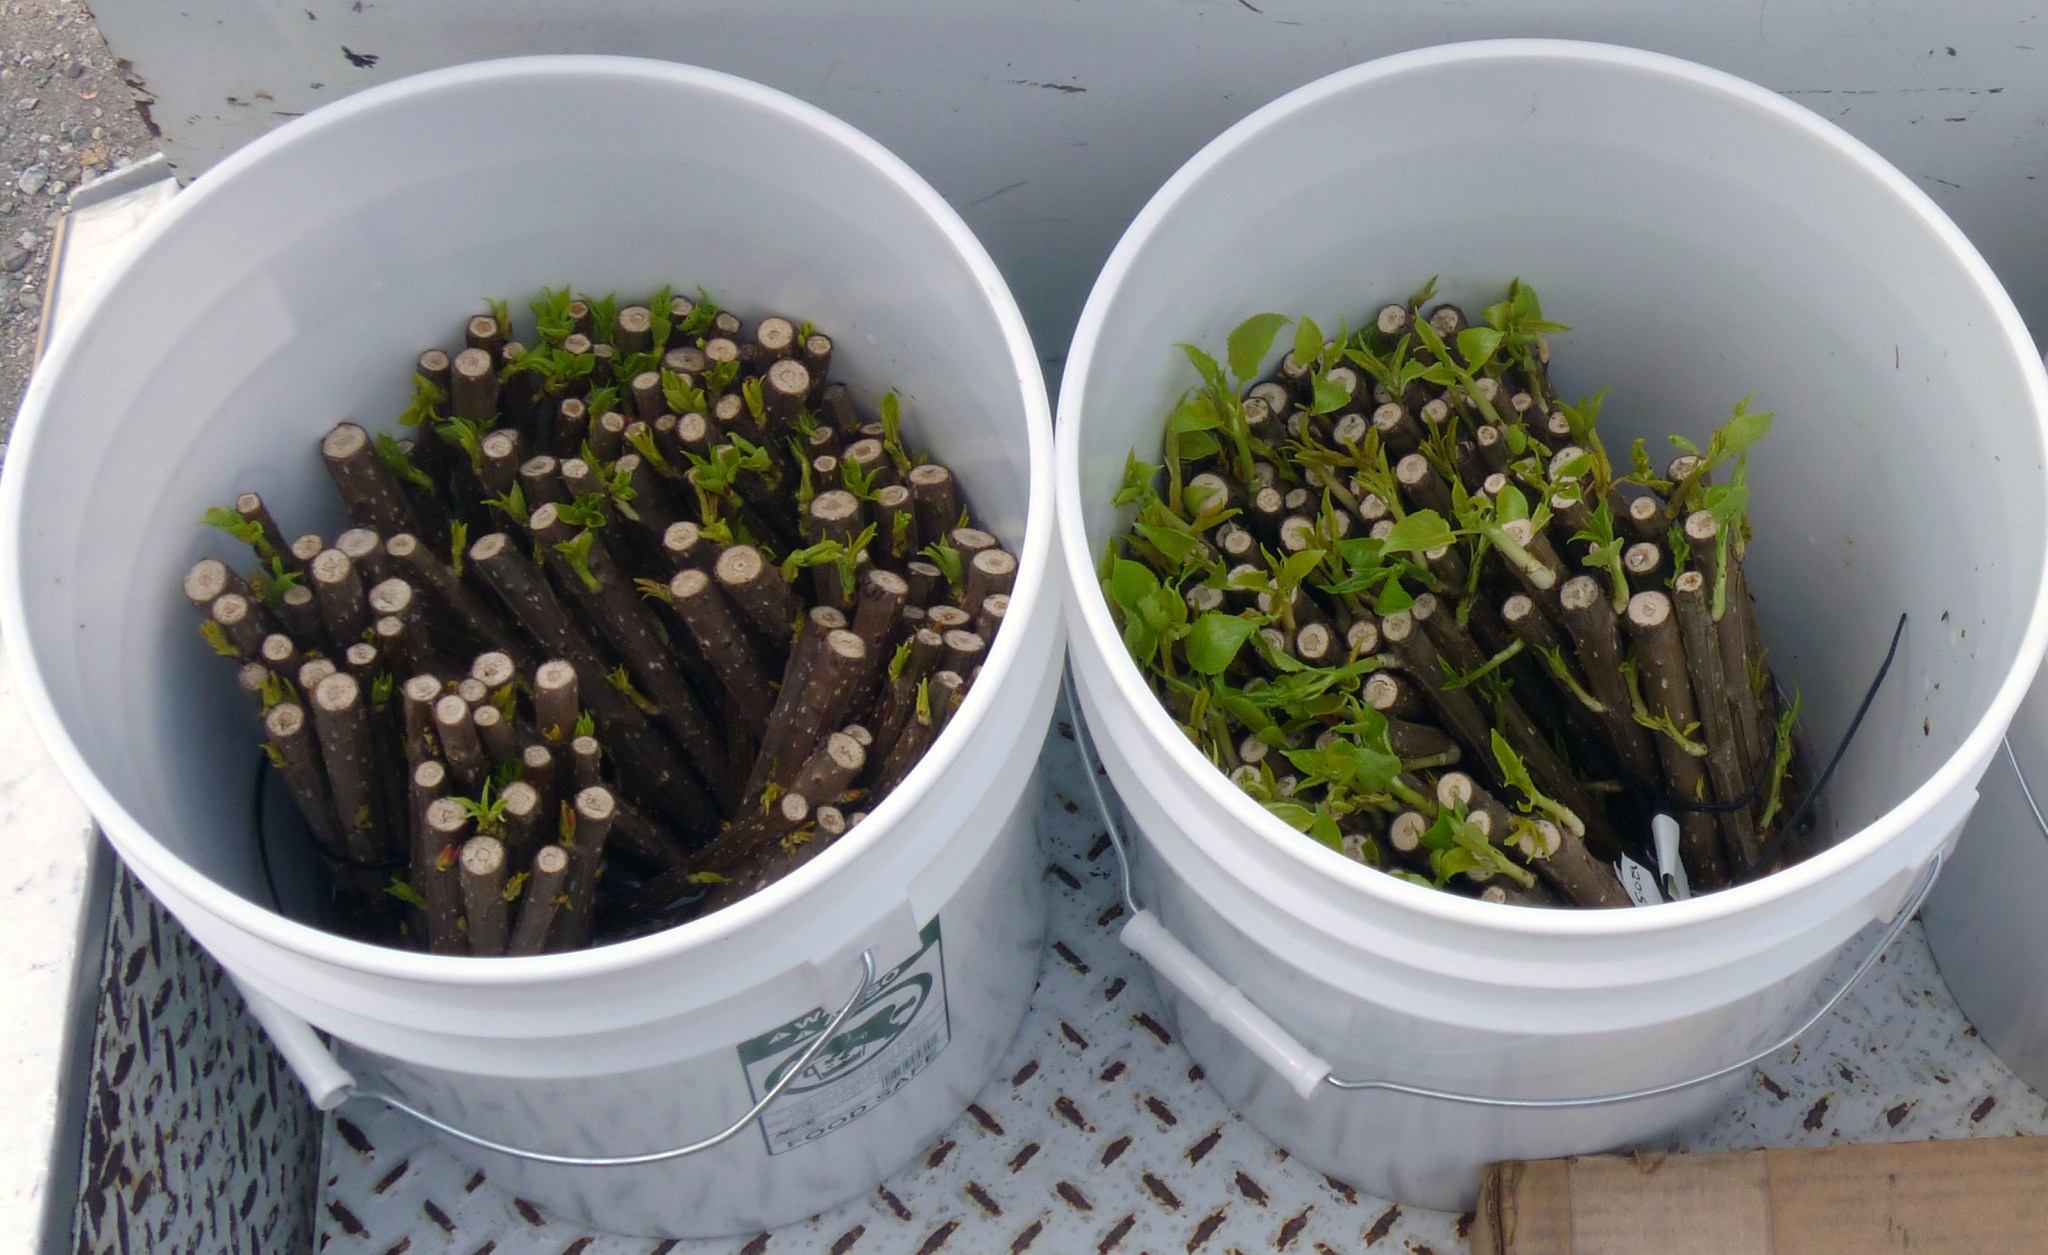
331	1085
1306	1072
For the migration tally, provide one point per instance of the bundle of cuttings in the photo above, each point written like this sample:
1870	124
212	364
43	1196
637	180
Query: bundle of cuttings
635	616
1400	590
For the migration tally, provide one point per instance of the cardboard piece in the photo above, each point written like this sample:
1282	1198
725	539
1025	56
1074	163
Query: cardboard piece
1932	1198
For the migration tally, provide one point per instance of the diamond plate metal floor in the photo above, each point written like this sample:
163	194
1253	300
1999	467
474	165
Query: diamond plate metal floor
1098	1135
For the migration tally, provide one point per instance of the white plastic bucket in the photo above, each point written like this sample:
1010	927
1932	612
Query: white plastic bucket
279	295
1706	239
1984	921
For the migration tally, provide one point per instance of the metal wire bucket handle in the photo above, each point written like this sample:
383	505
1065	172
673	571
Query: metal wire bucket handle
331	1085
1304	1070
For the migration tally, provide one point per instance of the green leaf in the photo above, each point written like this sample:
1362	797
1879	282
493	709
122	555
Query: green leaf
1573	467
1176	544
1130	583
604	318
1329	397
1211	373
698	321
1742	430
719	376
682	397
1196	412
401	465
426	400
1392	599
1476	346
947	559
405	893
1308	341
1296	567
1250	341
1214	639
757	405
1419	533
1683	445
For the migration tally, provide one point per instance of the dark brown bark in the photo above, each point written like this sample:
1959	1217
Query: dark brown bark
586	763
725	645
477	621
446	826
460	745
1711	696
538	901
1392	696
502	454
594	809
355	770
299	612
989	615
615	609
368	489
784	388
483	895
936	500
822	701
831	768
965	650
529	814
1562	859
1642	519
607	436
500	739
925	579
241	622
473	387
311	672
434	364
279	653
758	590
483	332
569	428
688	549
1644	564
298	759
634	329
647	764
554	700
640	840
540	481
836	406
1667	692
1589	619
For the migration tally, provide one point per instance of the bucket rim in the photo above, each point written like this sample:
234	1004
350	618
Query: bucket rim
1094	630
1030	593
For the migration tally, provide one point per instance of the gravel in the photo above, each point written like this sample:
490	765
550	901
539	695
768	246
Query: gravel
65	116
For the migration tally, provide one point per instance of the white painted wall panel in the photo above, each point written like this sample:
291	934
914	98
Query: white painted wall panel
1049	122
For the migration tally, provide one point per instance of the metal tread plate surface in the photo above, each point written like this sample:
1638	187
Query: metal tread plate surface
1098	1134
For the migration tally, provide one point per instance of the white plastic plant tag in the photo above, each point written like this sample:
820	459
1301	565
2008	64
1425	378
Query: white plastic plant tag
1670	867
1640	882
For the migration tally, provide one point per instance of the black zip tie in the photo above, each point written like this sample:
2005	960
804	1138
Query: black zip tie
1776	845
1656	799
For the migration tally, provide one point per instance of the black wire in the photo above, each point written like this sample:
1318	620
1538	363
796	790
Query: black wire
1776	845
262	845
263	770
1656	799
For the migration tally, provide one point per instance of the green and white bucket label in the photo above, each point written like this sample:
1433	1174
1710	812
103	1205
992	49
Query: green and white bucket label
887	1039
